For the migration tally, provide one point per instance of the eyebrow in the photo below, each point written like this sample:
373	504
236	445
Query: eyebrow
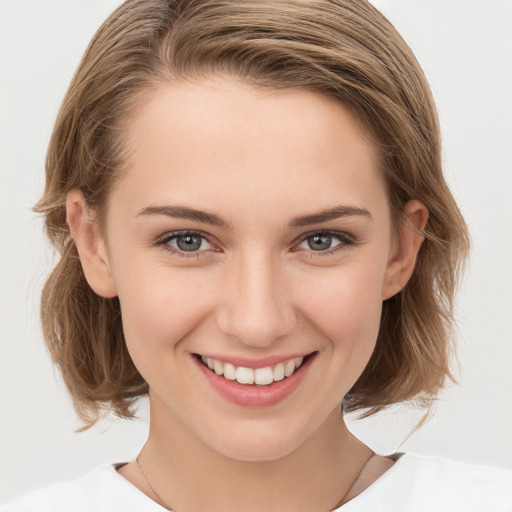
329	214
183	212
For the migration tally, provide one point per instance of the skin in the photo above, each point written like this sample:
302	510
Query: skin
257	159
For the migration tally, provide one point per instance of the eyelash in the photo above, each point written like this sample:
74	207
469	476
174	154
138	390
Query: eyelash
345	240
163	242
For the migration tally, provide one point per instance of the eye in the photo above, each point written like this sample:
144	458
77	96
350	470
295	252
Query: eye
185	242
325	242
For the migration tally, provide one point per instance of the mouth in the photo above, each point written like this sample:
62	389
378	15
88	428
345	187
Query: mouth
255	384
264	376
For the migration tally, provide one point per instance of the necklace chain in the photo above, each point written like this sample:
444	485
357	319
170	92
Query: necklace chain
150	486
170	509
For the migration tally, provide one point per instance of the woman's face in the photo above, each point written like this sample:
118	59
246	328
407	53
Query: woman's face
250	227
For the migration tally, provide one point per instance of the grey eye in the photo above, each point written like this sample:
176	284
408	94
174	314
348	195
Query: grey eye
189	242
324	241
183	243
319	242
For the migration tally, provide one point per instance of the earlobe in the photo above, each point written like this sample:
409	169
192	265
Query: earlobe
90	245
401	265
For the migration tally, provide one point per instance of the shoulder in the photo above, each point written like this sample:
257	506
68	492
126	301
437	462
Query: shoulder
102	490
452	476
458	472
418	483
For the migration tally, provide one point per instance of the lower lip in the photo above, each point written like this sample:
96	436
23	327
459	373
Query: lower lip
254	395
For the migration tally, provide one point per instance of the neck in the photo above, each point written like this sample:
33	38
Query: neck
188	475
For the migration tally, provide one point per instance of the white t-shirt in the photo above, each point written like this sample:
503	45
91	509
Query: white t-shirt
413	484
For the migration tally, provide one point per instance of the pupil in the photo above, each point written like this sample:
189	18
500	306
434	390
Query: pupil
319	242
189	242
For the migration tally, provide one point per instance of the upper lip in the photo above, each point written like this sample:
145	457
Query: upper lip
247	362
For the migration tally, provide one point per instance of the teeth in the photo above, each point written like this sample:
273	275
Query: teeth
263	376
289	367
218	367
244	375
279	372
229	371
259	376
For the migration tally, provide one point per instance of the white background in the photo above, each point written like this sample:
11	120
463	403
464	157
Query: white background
465	47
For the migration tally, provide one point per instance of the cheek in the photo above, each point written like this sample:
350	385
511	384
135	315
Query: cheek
346	307
159	309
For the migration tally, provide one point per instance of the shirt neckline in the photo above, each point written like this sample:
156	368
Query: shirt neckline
374	487
361	497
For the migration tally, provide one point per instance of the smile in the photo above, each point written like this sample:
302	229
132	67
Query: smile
254	384
259	376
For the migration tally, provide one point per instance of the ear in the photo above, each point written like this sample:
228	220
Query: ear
90	245
403	259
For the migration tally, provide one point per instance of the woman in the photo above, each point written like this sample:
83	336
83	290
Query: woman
254	226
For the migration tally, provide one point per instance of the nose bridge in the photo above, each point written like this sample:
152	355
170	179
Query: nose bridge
258	307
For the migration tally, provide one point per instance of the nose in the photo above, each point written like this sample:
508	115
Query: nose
257	307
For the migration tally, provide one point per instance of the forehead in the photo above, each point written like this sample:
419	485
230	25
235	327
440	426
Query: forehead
219	140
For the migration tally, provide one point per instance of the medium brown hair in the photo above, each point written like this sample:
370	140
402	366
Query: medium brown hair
344	49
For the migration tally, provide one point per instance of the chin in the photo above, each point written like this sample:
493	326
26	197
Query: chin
257	445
